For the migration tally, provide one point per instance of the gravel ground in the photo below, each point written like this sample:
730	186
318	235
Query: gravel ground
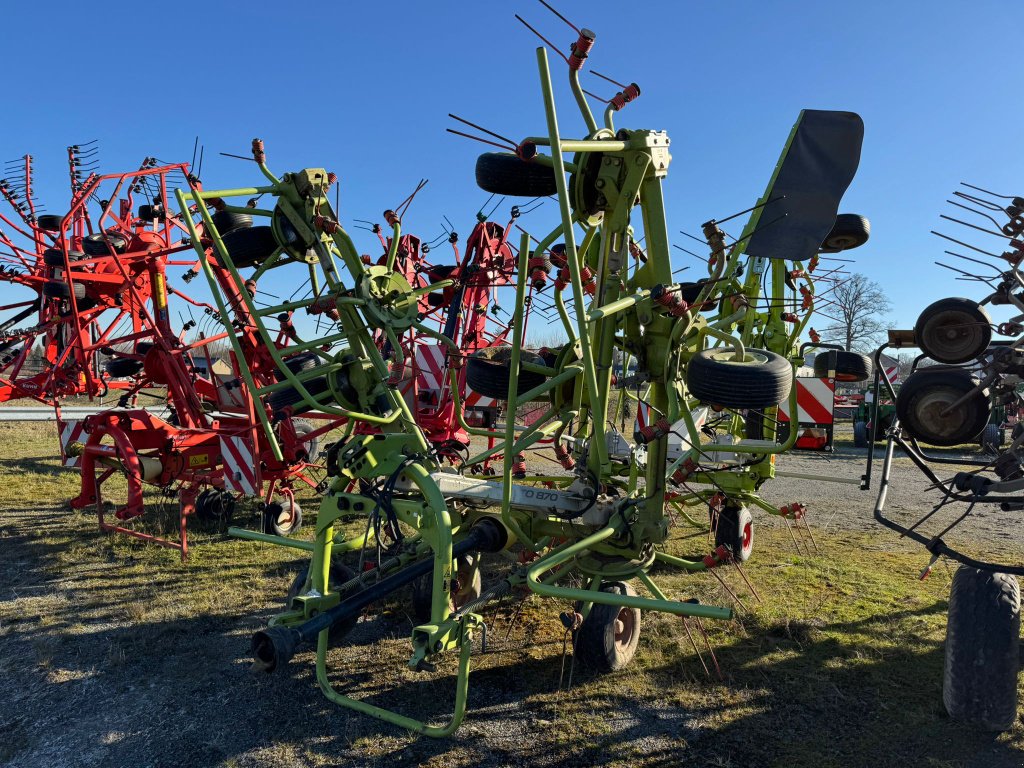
101	670
988	531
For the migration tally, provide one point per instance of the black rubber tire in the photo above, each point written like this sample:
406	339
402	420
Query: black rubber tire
215	505
122	367
596	645
49	222
339	574
423	587
54	257
229	221
688	292
991	437
860	434
764	378
300	362
250	246
735	530
274	521
850	231
850	366
150	212
979	684
927	393
488	372
503	173
289	397
754	423
58	289
953	330
302	428
104	244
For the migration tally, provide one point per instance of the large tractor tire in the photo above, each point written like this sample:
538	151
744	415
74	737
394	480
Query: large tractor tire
979	685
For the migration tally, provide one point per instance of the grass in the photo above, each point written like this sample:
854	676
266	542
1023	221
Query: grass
115	652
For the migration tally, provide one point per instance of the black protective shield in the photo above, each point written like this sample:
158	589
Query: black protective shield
819	166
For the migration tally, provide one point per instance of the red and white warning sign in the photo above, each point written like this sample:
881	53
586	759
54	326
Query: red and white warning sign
71	432
432	378
815	401
240	473
430	367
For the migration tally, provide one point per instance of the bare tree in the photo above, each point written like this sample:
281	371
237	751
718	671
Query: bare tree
857	307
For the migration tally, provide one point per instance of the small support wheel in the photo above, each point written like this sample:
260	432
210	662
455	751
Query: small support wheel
607	640
735	529
215	505
281	518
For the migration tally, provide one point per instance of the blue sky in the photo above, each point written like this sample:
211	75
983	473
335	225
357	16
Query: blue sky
364	90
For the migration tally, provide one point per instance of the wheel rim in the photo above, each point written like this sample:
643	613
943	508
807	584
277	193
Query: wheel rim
932	408
955	335
748	535
751	357
625	626
841	242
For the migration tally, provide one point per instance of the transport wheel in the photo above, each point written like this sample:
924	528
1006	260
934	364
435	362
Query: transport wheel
215	505
281	518
924	407
850	366
49	222
735	529
991	437
850	231
289	397
762	379
860	434
303	428
470	588
229	221
503	173
54	257
488	372
58	289
250	246
121	367
104	244
979	684
953	330
607	640
339	575
298	363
